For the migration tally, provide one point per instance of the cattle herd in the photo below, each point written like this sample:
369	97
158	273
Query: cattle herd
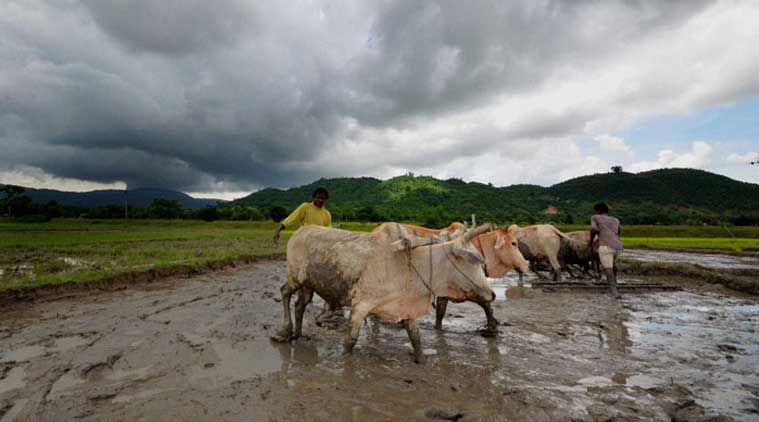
399	272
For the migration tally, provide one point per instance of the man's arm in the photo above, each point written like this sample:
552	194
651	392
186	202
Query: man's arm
593	231
275	238
291	219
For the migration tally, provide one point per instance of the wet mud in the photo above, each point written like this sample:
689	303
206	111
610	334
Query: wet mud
708	260
199	349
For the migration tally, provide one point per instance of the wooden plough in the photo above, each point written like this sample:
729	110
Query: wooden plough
602	287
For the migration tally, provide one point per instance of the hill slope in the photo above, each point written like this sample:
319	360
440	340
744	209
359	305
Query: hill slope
669	196
137	197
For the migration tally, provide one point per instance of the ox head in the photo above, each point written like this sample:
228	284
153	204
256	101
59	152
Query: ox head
508	254
465	277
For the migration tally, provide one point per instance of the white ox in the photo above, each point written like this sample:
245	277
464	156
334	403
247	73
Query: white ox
395	280
497	247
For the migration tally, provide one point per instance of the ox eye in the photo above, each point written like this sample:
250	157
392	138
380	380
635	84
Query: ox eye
513	243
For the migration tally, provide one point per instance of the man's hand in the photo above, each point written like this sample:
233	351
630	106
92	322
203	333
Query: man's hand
275	238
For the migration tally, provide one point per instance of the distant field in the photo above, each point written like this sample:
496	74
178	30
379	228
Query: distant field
733	245
84	250
76	250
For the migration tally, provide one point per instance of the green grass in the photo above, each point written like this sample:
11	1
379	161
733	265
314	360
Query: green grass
734	245
742	232
76	250
64	251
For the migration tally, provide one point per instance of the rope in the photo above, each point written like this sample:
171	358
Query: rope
411	265
484	264
472	282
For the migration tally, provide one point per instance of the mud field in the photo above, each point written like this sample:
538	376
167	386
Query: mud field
708	260
199	349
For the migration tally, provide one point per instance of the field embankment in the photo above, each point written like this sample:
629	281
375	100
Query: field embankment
74	251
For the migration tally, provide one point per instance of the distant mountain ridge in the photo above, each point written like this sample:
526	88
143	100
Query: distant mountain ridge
665	196
137	197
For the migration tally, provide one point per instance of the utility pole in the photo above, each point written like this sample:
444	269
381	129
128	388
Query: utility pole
126	204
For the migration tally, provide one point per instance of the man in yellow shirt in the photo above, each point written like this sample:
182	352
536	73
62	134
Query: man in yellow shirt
307	213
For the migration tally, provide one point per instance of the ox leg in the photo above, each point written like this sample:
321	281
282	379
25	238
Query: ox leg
491	330
285	333
416	341
440	306
534	269
556	268
520	283
358	314
300	308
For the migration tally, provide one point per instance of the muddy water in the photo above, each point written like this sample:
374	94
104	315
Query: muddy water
709	260
198	349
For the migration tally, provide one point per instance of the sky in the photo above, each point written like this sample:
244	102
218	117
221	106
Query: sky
219	99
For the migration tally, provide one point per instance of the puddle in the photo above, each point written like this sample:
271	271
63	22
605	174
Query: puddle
703	259
18	406
23	354
67	381
67	343
75	262
19	271
596	381
507	288
13	380
707	341
302	352
121	374
125	398
244	360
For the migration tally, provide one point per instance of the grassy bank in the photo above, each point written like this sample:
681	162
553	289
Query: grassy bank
720	244
64	251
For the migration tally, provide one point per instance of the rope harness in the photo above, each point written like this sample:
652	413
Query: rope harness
447	253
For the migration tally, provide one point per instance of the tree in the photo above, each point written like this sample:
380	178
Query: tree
368	213
616	169
165	208
277	213
14	198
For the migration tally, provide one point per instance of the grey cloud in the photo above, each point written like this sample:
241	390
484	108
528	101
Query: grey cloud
174	27
188	95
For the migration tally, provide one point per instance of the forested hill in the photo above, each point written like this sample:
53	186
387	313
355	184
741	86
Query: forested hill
669	196
137	197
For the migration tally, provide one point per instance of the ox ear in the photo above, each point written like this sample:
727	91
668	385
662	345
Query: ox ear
401	245
499	241
470	256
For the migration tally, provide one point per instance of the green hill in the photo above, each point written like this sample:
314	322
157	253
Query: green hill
669	196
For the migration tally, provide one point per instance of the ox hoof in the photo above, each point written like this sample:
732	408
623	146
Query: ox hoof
421	360
284	335
487	332
438	325
280	339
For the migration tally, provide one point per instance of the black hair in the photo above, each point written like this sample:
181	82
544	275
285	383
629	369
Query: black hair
322	190
601	207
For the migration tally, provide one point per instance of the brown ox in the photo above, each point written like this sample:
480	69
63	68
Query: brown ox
501	255
579	253
540	243
393	280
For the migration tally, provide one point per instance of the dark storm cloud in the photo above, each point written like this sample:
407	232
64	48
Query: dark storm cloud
189	94
174	27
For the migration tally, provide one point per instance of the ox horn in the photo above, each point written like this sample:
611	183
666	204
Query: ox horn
477	231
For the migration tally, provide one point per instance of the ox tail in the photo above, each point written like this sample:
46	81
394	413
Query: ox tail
567	238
